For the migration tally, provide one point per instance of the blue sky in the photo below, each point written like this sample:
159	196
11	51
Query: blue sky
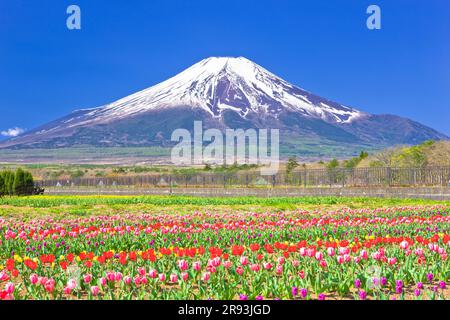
323	46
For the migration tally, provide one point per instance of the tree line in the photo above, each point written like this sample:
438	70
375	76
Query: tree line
16	183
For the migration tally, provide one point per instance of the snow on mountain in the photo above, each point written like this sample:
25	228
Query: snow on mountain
216	84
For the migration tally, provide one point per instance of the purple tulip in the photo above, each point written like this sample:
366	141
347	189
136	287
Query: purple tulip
321	296
362	295
303	292
294	291
442	285
357	283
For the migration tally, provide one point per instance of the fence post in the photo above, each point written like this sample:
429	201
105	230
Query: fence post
389	176
306	177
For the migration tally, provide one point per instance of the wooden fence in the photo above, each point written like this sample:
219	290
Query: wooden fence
357	177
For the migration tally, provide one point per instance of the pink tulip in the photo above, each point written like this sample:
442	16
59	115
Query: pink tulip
110	276
302	251
141	271
215	262
118	276
280	260
87	278
34	278
95	290
364	254
196	265
143	280
183	265
244	260
279	269
404	244
295	263
162	277
49	285
319	256
267	265
206	276
9	288
184	276
227	264
255	267
323	263
340	259
103	281
42	280
3	276
137	280
173	278
392	261
127	280
153	274
71	284
211	269
239	270
67	290
347	258
376	255
330	251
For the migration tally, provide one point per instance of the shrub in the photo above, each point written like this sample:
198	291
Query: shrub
16	183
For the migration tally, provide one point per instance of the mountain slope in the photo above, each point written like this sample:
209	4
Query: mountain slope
223	92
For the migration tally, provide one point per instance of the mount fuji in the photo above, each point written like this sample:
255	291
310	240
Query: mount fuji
225	92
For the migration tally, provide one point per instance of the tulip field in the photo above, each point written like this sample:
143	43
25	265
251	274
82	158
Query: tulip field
245	250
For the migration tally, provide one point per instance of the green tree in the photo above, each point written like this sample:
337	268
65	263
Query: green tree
2	184
29	183
19	182
291	164
9	181
333	164
363	155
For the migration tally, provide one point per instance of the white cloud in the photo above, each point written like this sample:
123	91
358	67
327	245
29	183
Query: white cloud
12	132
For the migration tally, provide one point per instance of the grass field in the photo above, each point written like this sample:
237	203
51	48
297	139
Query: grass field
86	205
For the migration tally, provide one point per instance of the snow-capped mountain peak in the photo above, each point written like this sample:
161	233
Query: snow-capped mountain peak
216	84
